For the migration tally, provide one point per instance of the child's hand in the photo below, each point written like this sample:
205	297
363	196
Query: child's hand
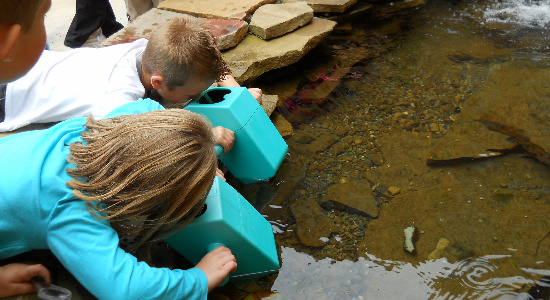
15	278
217	264
220	174
256	93
224	137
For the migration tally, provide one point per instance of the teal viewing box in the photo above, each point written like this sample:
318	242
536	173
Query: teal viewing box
259	149
232	222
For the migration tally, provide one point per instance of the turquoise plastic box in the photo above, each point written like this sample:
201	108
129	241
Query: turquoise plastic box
230	220
259	149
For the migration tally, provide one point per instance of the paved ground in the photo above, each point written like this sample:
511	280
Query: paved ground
61	14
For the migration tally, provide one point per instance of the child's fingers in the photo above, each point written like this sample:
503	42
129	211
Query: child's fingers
22	288
220	174
36	270
224	137
226	258
256	93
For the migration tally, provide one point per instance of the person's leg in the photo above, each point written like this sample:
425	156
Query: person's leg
89	16
110	24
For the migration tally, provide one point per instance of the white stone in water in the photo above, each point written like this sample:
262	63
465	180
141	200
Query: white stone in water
410	238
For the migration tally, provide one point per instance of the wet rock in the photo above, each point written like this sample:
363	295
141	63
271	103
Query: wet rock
331	6
411	237
469	139
269	102
439	248
394	190
313	226
343	29
273	20
228	33
215	9
312	141
359	10
254	56
404	156
283	126
355	194
514	102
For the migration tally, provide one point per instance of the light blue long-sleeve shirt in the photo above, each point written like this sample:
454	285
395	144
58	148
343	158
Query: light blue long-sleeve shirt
39	211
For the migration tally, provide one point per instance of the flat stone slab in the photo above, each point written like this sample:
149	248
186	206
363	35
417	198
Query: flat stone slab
469	139
228	33
330	6
314	228
228	9
356	195
360	10
273	20
514	102
254	56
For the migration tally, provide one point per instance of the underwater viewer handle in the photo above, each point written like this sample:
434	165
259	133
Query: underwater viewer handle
219	153
213	246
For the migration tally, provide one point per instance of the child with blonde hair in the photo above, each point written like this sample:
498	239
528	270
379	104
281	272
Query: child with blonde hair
142	170
179	61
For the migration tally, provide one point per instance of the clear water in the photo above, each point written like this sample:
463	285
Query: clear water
400	88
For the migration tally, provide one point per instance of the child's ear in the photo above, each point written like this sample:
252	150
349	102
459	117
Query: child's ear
8	39
157	81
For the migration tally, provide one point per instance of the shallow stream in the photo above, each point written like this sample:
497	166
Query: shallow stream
386	112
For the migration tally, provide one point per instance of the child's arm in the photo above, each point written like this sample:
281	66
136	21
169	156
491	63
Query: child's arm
217	264
224	137
15	278
229	81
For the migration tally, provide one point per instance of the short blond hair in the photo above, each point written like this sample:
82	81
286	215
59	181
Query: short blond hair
182	49
148	174
22	12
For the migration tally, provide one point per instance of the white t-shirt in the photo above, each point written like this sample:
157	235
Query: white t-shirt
75	83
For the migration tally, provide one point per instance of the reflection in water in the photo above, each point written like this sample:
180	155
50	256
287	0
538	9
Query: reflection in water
303	277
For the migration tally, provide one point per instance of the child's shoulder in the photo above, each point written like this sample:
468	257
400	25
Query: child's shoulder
135	107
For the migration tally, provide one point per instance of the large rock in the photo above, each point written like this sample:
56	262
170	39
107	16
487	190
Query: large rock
228	33
254	56
514	101
469	139
360	10
228	9
404	165
356	195
327	6
273	20
314	228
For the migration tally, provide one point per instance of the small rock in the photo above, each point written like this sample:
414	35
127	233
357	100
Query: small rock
411	236
439	248
434	127
394	190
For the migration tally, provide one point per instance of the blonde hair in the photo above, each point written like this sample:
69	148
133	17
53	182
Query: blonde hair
21	12
148	174
182	49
